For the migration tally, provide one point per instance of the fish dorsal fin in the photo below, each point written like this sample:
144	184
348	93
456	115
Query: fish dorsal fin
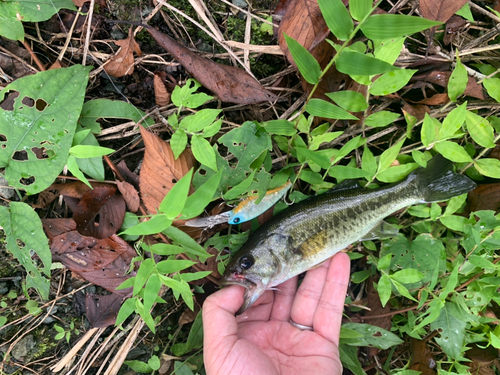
345	185
381	231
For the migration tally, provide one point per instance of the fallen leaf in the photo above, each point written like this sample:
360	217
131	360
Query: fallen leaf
437	99
440	10
127	175
123	62
483	360
80	3
160	171
453	25
209	265
230	84
162	96
421	357
484	197
103	262
130	195
102	310
416	110
56	227
99	213
74	189
441	78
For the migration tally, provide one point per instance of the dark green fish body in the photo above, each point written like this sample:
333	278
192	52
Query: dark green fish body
313	230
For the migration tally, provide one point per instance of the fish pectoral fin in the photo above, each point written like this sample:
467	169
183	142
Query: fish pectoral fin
381	231
313	245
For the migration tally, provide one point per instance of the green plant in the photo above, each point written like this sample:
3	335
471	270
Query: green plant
63	333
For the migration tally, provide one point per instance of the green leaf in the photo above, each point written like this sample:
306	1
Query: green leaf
433	311
193	249
454	222
384	262
351	101
139	366
50	122
200	199
454	204
308	66
279	127
408	276
458	81
451	325
24	237
337	18
391	82
241	188
360	8
371	336
381	119
342	172
322	160
465	12
318	140
388	156
453	121
452	151
419	158
195	100
83	151
384	289
368	162
403	290
91	166
174	201
349	358
488	167
430	130
156	224
387	26
351	62
203	152
396	173
75	171
128	307
200	120
105	108
492	86
481	262
178	142
310	177
359	277
480	129
151	291
348	148
145	270
165	249
322	108
170	266
212	130
389	50
154	362
423	254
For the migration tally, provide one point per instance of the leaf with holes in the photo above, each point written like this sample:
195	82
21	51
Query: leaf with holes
24	235
371	336
36	131
451	324
421	254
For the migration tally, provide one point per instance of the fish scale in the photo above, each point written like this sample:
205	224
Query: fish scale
313	230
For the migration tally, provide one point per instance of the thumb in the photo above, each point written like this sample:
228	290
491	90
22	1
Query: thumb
219	322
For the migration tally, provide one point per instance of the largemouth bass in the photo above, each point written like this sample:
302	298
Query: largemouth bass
315	229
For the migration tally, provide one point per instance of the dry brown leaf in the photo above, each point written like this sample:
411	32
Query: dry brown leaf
453	25
160	171
162	96
437	99
440	10
483	360
484	197
416	110
230	84
74	189
102	311
103	262
130	195
99	213
421	357
123	62
441	78
56	227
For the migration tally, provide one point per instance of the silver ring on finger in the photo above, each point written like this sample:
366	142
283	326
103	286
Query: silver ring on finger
300	326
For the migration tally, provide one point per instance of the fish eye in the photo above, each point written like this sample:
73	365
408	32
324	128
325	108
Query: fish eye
236	220
246	261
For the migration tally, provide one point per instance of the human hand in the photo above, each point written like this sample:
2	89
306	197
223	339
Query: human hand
262	340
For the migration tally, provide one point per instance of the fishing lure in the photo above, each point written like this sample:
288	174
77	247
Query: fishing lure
245	211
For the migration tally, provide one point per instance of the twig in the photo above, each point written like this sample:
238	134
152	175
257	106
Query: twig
89	28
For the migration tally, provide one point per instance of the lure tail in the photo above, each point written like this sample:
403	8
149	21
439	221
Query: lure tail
438	182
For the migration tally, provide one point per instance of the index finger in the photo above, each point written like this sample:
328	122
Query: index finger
328	316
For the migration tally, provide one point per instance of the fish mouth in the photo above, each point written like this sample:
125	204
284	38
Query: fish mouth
254	289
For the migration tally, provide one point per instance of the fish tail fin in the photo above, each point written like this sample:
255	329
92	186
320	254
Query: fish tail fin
438	181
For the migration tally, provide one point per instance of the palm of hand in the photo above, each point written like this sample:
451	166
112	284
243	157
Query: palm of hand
261	341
